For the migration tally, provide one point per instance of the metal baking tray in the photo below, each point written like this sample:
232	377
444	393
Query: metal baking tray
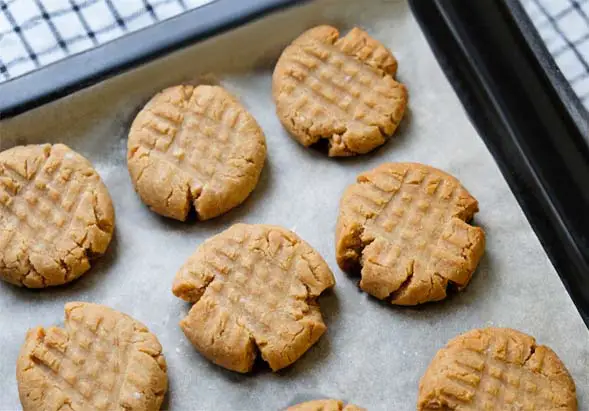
373	354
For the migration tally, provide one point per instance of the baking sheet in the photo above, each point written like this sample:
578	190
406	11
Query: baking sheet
373	354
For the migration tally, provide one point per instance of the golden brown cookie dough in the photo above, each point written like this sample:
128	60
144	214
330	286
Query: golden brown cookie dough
101	360
255	288
405	225
55	215
194	146
324	405
339	89
496	369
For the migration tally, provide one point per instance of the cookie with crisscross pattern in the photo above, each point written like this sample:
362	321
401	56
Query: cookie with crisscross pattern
341	89
102	360
195	147
254	289
496	369
56	215
405	225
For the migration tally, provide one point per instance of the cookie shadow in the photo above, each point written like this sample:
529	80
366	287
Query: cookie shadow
475	293
319	150
93	278
330	306
353	274
100	267
482	280
167	402
317	356
397	141
260	192
219	223
313	359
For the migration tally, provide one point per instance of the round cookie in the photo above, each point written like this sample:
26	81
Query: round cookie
101	360
255	289
55	215
194	147
496	369
339	89
404	225
324	405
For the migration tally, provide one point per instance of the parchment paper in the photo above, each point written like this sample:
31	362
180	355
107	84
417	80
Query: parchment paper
373	354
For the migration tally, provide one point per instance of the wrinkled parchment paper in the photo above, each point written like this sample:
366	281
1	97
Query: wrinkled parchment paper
373	354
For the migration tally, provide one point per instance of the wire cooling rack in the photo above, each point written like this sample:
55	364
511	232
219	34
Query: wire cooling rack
564	27
34	33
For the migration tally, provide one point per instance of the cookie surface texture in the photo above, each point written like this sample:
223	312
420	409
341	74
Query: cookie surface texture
194	147
101	360
255	289
404	225
340	89
324	405
55	215
496	369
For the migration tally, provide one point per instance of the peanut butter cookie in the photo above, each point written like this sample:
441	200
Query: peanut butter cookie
194	146
496	369
55	215
405	225
339	89
101	360
324	405
255	288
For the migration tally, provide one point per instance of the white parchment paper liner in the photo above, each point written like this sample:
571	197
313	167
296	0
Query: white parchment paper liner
373	354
